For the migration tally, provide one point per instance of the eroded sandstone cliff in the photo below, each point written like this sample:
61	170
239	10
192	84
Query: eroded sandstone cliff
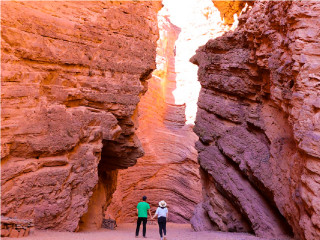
258	123
72	76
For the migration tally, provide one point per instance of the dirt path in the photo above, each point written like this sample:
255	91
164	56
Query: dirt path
126	232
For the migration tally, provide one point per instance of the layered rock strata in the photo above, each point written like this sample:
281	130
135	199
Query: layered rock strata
15	228
72	76
258	123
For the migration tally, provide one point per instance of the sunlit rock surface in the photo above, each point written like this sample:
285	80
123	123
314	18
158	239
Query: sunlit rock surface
72	75
258	123
230	10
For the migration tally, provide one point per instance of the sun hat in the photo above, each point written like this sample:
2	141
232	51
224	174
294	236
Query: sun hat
162	203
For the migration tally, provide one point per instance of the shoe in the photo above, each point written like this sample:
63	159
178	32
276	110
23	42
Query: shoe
161	238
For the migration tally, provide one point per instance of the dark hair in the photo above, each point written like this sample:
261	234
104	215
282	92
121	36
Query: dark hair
144	198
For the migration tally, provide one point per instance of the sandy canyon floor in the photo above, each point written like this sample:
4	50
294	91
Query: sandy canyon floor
126	232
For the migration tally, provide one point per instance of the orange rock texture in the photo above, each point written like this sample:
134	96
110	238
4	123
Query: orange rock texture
258	123
72	75
228	9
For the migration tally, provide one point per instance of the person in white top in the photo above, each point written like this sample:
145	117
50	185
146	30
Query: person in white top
162	212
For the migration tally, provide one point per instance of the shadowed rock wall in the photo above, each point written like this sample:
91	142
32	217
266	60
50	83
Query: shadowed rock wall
258	123
72	75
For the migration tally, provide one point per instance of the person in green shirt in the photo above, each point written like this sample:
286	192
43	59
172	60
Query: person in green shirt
142	209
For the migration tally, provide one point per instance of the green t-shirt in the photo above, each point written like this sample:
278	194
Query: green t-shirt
143	209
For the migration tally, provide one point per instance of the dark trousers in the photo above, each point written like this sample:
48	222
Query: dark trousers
162	221
144	222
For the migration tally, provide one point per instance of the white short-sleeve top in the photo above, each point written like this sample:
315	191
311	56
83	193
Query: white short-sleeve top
162	212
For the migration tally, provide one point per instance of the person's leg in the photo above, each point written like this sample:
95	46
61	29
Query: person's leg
160	228
138	226
144	226
165	227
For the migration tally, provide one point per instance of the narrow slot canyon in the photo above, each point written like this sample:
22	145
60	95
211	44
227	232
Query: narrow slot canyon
169	169
212	106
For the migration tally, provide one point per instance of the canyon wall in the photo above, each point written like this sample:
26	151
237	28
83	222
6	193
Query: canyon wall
72	76
258	123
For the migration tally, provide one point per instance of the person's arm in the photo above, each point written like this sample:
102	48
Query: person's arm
150	213
156	213
138	209
167	214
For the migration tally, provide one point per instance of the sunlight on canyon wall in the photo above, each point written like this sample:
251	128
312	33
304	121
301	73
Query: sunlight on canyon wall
199	21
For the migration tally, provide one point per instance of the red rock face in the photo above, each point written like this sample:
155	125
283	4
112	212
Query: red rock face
258	123
72	75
